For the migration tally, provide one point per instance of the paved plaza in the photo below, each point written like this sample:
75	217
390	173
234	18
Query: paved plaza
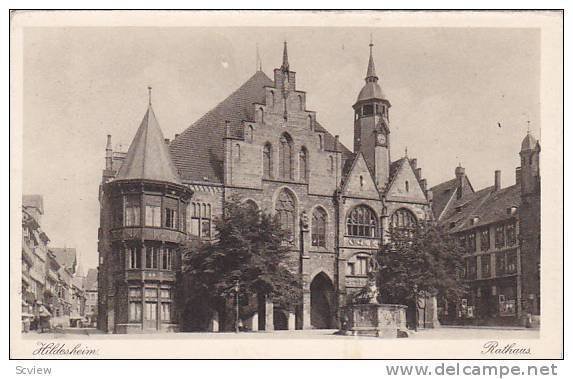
445	332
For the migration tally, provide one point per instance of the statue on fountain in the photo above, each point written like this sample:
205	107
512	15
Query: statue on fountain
370	294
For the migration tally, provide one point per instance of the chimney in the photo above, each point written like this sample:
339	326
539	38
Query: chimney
108	154
418	173
167	141
497	182
227	128
430	195
336	142
414	164
460	174
423	184
518	175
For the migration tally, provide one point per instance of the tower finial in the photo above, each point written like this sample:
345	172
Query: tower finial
259	62
406	152
528	127
149	88
371	72
285	65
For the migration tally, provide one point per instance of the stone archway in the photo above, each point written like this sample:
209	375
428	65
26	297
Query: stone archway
322	306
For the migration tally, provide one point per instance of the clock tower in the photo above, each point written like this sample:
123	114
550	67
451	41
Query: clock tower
371	126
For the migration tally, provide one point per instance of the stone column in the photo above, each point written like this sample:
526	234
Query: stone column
214	322
306	310
254	322
291	321
269	310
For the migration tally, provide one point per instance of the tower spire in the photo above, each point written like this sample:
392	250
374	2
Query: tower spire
259	61
371	72
285	65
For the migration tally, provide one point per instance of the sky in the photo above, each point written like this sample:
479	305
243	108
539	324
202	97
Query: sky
449	88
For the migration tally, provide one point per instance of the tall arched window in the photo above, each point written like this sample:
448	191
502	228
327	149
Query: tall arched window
403	221
261	115
303	166
319	227
320	142
300	103
310	122
272	99
249	133
362	222
285	211
267	160
286	158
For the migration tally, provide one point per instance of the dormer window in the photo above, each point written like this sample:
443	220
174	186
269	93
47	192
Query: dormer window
475	220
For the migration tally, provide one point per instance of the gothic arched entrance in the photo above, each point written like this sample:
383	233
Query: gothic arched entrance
322	305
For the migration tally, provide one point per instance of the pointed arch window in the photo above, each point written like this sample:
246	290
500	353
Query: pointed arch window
362	222
249	133
272	102
303	166
403	222
285	211
267	160
300	103
261	115
320	142
286	157
319	227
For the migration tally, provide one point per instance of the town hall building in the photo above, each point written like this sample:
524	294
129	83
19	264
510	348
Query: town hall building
265	146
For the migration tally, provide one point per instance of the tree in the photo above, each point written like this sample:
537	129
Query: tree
425	258
249	248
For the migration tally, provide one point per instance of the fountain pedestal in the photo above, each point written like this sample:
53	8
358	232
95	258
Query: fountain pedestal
379	320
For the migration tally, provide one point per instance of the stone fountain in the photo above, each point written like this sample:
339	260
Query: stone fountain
367	316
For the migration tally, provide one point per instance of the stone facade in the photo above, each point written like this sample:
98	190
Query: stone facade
263	145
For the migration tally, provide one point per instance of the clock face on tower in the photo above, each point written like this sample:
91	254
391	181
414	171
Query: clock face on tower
381	139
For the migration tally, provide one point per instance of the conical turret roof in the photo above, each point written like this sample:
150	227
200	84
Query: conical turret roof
528	142
371	89
148	156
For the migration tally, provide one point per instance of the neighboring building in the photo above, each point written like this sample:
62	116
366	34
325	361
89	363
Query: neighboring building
66	258
262	144
34	258
91	293
77	315
500	228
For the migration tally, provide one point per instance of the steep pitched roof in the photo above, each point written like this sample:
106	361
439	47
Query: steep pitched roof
198	151
442	195
34	201
148	156
91	280
487	205
65	256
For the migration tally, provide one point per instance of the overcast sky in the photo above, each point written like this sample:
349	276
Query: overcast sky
449	88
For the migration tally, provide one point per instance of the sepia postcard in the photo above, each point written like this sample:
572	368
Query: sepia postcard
286	184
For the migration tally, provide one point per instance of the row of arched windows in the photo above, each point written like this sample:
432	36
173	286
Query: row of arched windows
300	101
361	221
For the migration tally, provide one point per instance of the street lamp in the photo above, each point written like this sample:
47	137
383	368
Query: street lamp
415	307
237	306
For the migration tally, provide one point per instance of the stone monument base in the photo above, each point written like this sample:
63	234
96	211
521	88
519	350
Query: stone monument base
378	320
